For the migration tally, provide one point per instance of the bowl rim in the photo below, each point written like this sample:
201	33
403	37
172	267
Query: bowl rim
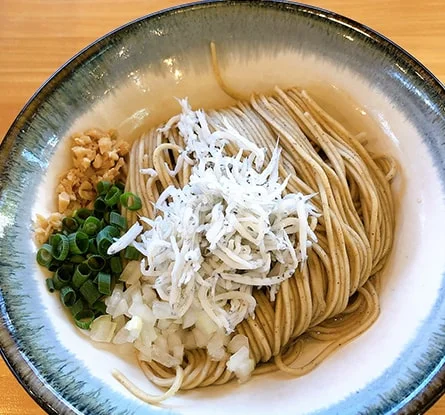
9	349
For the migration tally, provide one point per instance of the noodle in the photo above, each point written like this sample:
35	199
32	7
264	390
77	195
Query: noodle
334	297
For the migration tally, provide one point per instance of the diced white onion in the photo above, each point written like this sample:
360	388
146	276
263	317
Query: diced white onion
102	329
131	273
237	342
241	364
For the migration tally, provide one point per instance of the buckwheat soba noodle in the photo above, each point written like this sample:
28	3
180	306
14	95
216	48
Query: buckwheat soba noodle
254	237
332	296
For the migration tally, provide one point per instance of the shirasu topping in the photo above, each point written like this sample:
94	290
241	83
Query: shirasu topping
228	231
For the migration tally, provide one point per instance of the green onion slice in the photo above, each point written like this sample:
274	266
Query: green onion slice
120	186
103	187
112	196
78	242
68	296
82	214
100	205
96	263
61	246
45	255
131	253
104	239
99	308
118	220
54	265
91	226
70	224
77	259
84	318
130	201
111	231
92	248
116	265
103	244
89	292
62	276
81	274
77	307
104	283
50	285
50	239
106	218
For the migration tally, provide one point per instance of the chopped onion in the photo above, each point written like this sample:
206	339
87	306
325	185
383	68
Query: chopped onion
241	364
131	273
189	318
215	347
201	338
237	342
130	332
120	309
102	329
143	311
205	324
189	340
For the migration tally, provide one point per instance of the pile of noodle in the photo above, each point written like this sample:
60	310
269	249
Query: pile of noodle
334	297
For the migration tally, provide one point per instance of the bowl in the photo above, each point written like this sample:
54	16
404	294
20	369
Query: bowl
365	80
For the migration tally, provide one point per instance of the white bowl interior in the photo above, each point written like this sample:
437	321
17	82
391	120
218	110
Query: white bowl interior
412	277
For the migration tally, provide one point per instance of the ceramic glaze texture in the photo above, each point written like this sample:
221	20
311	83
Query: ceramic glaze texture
365	81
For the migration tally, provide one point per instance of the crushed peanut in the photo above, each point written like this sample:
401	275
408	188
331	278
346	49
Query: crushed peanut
44	227
96	155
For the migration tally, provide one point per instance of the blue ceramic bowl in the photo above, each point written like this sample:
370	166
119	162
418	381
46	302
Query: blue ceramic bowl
369	83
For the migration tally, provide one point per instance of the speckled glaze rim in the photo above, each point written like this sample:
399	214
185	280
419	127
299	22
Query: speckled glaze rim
25	373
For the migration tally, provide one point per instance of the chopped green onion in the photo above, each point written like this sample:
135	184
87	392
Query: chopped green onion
116	265
100	205
81	215
92	248
62	276
70	224
112	196
111	231
84	319
98	215
54	265
118	220
103	244
78	242
131	253
106	218
60	246
91	226
104	283
77	259
68	296
103	187
89	292
45	255
120	186
130	201
50	285
99	308
81	274
95	263
77	307
104	239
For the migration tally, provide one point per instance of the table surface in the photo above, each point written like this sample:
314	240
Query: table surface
37	36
